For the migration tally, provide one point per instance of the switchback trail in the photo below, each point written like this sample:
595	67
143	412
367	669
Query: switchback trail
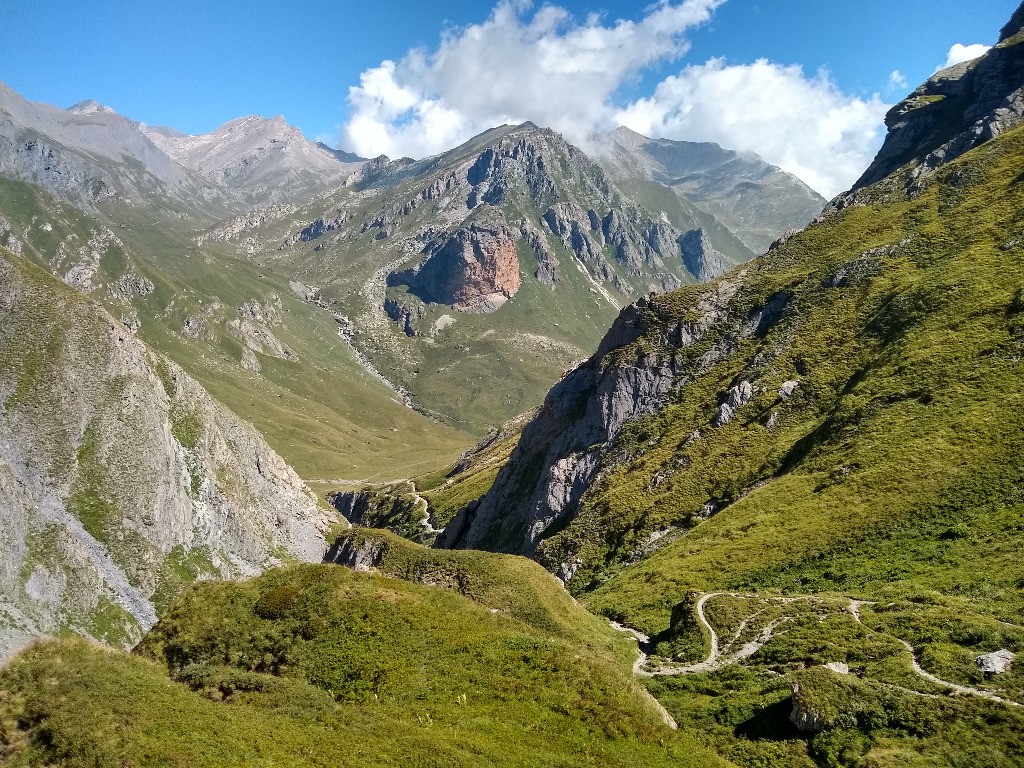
717	658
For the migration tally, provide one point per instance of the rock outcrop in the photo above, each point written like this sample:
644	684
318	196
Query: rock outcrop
476	269
700	256
996	663
803	715
405	313
956	110
361	555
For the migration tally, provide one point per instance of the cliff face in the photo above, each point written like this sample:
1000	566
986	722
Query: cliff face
563	448
476	269
121	480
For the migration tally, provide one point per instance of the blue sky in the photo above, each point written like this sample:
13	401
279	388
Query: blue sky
195	65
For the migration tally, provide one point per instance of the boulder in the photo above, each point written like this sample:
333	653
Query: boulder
997	662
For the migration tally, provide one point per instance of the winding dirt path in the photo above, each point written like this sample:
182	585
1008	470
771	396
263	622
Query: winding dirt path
963	690
717	659
428	526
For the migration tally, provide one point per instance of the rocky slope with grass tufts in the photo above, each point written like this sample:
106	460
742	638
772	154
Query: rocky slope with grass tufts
957	109
121	480
786	385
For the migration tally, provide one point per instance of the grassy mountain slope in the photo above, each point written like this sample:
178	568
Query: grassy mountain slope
322	666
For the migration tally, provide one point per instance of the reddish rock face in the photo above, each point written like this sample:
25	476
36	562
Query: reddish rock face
475	270
490	270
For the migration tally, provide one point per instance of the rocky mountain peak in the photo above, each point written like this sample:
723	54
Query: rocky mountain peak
1014	26
954	111
628	136
91	107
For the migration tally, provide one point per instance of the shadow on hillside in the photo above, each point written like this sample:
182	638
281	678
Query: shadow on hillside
771	723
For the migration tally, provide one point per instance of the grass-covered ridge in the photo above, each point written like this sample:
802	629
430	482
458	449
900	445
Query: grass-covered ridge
892	475
317	665
905	329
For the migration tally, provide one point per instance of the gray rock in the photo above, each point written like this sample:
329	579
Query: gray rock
405	313
997	662
130	284
787	389
8	239
802	716
572	226
562	448
361	557
547	263
737	396
700	257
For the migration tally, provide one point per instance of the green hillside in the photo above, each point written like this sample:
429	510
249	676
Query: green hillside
317	665
829	468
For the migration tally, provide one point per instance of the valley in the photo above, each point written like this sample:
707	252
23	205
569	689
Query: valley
525	453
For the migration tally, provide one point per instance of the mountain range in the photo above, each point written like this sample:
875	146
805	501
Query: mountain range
773	520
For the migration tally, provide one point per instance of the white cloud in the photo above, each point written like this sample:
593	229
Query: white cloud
897	81
806	126
960	53
548	67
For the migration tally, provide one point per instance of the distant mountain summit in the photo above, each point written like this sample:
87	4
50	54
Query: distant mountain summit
89	107
755	200
89	154
260	160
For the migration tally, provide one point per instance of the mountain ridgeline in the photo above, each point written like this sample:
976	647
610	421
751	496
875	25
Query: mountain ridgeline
400	257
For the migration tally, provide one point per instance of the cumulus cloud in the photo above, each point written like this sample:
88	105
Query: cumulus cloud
805	125
960	53
547	67
569	74
897	81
